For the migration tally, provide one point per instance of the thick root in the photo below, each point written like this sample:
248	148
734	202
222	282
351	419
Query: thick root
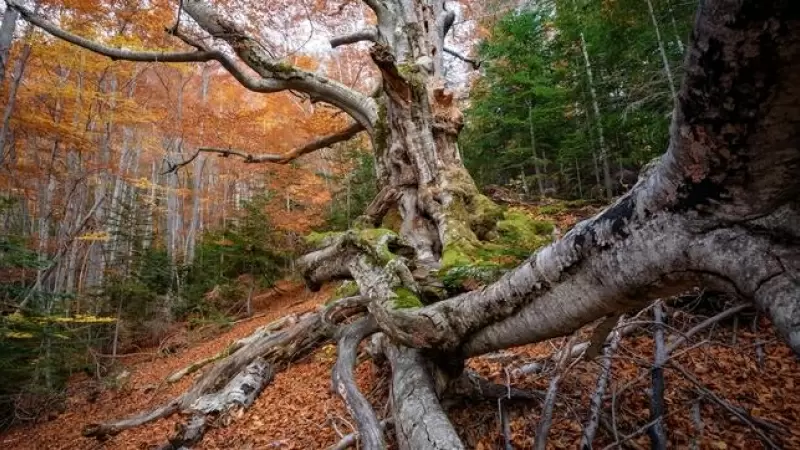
344	383
420	421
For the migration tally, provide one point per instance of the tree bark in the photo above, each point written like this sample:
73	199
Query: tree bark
7	28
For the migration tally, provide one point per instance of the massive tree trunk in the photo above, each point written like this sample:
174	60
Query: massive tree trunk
719	209
419	167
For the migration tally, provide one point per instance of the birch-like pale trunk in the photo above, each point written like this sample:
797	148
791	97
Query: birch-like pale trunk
16	82
7	28
662	51
539	181
601	140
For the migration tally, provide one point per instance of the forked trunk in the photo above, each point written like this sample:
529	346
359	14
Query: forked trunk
419	168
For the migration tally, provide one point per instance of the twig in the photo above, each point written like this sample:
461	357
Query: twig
697	419
759	347
543	428
351	440
754	423
636	433
658	433
705	324
590	428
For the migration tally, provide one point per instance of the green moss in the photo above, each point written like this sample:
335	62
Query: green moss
406	299
282	67
454	256
346	289
519	230
318	240
461	278
552	210
485	213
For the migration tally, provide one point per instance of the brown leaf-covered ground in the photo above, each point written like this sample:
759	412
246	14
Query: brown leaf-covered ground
299	411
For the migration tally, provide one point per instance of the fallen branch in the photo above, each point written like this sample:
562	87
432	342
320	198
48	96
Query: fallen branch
239	393
471	385
658	432
595	410
681	339
543	428
282	346
259	333
628	437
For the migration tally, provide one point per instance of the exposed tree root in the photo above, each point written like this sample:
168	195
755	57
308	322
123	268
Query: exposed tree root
369	429
472	386
352	439
420	421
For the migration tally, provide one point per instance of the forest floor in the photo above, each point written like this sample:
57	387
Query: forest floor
743	364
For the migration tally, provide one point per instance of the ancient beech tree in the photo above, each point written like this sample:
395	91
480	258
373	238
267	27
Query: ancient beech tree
721	208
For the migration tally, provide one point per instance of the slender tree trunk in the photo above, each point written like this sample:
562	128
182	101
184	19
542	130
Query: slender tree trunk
19	72
539	181
662	51
596	108
7	28
678	38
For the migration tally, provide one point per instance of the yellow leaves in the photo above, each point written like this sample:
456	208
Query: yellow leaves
19	319
101	236
17	335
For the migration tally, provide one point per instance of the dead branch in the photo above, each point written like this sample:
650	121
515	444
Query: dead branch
110	52
475	63
286	158
543	428
628	437
680	340
282	346
595	410
367	34
658	433
473	386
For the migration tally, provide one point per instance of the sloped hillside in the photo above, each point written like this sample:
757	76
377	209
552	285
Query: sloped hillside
730	383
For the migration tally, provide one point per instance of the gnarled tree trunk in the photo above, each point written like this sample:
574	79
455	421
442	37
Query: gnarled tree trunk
719	209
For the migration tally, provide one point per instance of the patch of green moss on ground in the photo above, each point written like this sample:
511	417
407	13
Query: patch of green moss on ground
469	262
406	299
521	231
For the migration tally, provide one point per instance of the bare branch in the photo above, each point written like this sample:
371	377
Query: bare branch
111	52
366	34
277	75
285	158
475	63
377	7
703	325
172	168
